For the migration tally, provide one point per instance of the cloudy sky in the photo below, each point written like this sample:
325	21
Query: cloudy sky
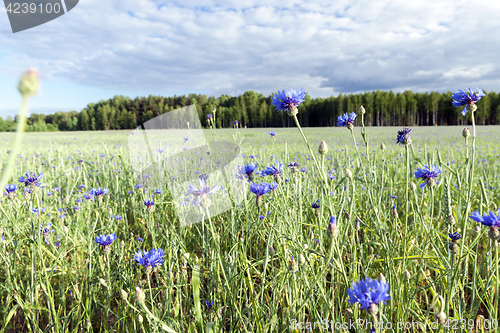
141	47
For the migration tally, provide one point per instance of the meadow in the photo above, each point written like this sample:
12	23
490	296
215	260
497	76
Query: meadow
277	264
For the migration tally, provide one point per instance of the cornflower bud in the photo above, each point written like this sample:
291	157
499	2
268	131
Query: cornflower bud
362	109
29	83
323	148
382	146
139	295
348	173
465	132
123	294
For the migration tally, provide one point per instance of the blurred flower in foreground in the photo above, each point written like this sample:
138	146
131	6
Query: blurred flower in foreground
461	98
29	83
490	220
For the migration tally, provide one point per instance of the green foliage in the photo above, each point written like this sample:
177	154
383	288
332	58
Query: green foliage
255	110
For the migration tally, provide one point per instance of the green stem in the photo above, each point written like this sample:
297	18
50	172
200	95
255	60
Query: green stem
21	125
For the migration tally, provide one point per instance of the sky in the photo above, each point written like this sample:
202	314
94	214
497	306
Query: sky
140	47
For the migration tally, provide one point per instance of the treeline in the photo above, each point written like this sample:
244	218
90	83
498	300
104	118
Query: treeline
255	110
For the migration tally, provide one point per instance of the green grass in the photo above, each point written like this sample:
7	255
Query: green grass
245	265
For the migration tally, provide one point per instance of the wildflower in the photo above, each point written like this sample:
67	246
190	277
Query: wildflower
161	150
490	220
394	211
157	191
31	179
331	230
272	134
368	293
10	188
201	195
139	239
346	120
104	240
461	98
294	166
315	204
209	116
81	186
209	304
118	217
260	189
288	101
151	258
273	171
248	170
98	192
293	267
46	232
453	246
404	137
235	123
149	204
428	175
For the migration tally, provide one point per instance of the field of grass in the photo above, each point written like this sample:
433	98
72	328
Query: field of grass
268	268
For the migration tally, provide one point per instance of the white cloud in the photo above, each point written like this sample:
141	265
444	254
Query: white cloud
234	46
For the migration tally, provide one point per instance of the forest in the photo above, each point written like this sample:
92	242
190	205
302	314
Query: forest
255	110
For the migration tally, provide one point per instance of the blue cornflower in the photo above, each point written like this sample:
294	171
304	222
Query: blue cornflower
81	186
45	231
331	230
209	116
35	210
262	217
57	189
272	170
368	293
149	204
393	197
157	191
272	134
260	189
294	166
315	204
10	188
346	120
235	123
151	258
161	150
428	175
88	196
98	192
248	170
139	239
273	186
404	137
138	186
201	194
118	217
454	236
209	304
31	179
104	240
303	170
288	100
461	98
490	220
